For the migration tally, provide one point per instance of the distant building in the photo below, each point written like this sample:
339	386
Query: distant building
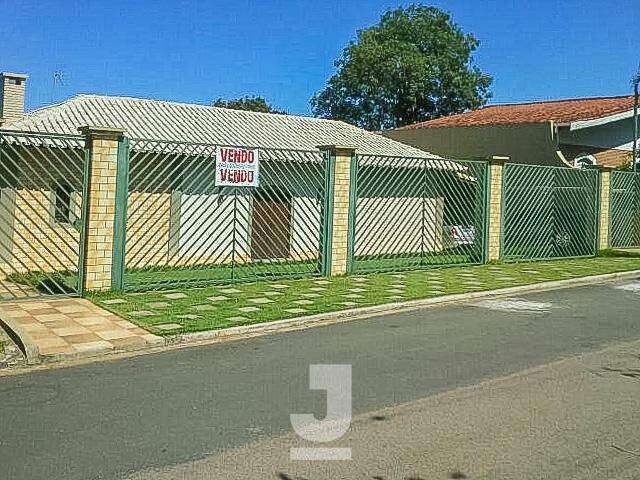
562	132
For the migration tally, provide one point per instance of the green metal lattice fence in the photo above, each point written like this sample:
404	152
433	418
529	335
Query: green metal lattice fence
624	231
416	213
43	181
183	229
549	212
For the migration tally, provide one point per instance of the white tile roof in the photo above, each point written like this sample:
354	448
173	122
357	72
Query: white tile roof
160	120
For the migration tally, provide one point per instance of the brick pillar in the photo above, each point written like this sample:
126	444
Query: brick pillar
496	165
340	158
100	208
605	199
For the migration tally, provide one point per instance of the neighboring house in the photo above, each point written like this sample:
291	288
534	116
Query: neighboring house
187	218
562	132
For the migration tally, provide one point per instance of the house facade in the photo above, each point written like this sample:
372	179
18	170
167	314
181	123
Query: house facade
176	215
556	133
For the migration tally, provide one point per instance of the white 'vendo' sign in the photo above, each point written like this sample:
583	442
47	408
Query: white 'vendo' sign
237	167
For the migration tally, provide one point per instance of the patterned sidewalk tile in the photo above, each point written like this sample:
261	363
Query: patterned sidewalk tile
69	327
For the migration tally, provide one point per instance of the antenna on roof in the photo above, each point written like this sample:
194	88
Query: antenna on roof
59	80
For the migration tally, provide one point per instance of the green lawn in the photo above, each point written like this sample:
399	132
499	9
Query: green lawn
220	306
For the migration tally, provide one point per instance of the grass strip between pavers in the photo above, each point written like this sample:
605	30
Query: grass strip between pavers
222	306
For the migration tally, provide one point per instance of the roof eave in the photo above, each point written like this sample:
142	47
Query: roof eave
594	122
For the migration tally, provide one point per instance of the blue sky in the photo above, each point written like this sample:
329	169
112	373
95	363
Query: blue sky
194	51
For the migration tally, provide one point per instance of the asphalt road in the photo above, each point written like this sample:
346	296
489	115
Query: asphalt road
109	420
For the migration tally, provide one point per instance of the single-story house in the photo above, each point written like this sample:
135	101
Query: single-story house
176	215
559	133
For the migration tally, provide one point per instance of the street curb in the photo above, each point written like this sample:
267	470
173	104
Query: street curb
23	339
358	313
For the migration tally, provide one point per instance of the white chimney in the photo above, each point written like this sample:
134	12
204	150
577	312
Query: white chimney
12	97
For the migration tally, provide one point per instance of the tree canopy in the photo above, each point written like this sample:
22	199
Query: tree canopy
416	64
252	104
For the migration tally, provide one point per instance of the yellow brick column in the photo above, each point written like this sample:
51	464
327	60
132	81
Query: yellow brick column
340	162
605	199
102	144
496	164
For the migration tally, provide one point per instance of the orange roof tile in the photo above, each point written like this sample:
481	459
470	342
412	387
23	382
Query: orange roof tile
560	111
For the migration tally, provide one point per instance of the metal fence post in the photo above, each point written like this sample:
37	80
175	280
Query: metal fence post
120	220
353	194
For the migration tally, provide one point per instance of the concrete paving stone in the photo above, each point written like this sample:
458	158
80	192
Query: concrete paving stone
396	297
204	308
230	291
218	298
310	295
98	346
82	338
34	305
260	300
50	318
352	295
303	302
295	310
359	279
129	342
318	289
142	313
158	304
279	286
188	316
51	342
249	309
44	311
395	291
322	282
136	294
273	294
49	351
348	304
167	326
357	290
91	320
398	285
64	332
114	301
175	296
69	309
237	319
115	334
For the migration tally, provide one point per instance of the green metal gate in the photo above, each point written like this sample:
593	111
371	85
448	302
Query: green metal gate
416	213
43	181
549	212
624	220
182	229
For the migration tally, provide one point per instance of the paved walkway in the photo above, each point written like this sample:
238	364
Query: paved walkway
73	327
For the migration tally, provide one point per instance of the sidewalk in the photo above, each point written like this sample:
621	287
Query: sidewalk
57	329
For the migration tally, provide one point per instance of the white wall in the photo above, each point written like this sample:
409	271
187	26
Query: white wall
390	225
206	226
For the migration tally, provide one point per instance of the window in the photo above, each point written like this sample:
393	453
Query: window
14	81
62	204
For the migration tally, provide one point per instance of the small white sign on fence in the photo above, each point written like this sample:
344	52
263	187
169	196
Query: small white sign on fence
237	167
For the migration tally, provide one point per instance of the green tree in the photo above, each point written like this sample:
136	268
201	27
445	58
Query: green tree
252	104
414	65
